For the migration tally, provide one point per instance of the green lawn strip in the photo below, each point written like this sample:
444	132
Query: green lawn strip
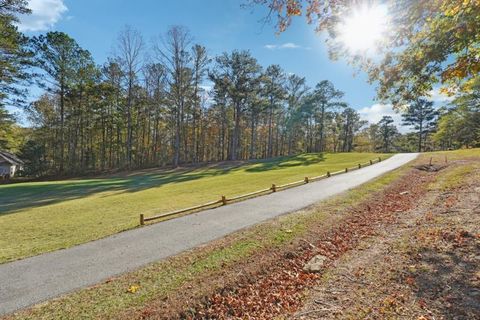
38	217
158	280
454	155
456	176
453	178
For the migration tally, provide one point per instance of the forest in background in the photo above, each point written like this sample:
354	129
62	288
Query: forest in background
170	103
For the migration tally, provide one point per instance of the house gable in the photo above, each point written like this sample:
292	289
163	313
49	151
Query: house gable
9	164
10	158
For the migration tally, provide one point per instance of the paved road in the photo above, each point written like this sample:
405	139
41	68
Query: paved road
32	280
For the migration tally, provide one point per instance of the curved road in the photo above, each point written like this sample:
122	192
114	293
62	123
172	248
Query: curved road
32	280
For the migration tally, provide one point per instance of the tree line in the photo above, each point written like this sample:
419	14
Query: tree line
134	112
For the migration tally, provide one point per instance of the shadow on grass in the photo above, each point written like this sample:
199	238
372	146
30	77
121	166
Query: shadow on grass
287	162
16	197
20	196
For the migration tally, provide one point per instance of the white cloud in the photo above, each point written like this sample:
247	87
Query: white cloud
45	14
286	45
270	46
436	96
374	114
289	45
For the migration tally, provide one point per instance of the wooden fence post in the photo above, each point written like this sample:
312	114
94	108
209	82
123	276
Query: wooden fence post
274	188
371	162
306	179
142	219
224	200
346	169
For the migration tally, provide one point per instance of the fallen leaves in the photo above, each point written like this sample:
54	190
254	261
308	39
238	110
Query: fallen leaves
278	288
450	201
392	304
410	281
133	289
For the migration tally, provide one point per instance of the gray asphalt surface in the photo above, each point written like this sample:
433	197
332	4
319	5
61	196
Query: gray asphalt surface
33	280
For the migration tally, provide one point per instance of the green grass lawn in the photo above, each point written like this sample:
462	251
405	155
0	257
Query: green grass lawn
38	217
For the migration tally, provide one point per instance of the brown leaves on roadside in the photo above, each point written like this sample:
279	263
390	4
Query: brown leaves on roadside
410	281
392	304
450	201
272	293
278	288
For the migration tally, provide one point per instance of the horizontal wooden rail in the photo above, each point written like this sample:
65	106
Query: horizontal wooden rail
171	213
274	188
291	184
323	176
249	195
337	172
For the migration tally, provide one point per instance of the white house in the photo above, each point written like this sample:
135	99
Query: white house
9	164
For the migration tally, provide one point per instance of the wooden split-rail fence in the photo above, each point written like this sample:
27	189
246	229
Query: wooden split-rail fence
274	188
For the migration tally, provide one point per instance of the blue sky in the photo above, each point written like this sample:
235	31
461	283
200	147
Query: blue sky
220	25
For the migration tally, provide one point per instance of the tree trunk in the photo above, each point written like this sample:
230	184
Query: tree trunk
252	136
420	137
270	133
236	133
62	124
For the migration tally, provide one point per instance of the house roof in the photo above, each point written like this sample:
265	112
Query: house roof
10	158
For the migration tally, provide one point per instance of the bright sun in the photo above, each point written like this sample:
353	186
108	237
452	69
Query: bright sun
364	28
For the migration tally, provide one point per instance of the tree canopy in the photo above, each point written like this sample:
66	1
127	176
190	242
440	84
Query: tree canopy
13	53
429	42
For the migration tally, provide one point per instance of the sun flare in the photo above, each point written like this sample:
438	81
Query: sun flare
362	30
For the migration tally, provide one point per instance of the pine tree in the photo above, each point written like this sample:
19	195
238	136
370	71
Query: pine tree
14	54
61	59
387	131
422	116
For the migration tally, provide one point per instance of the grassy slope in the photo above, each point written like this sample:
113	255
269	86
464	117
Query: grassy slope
45	216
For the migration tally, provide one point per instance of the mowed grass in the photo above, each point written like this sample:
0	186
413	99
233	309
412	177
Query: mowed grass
38	217
454	155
